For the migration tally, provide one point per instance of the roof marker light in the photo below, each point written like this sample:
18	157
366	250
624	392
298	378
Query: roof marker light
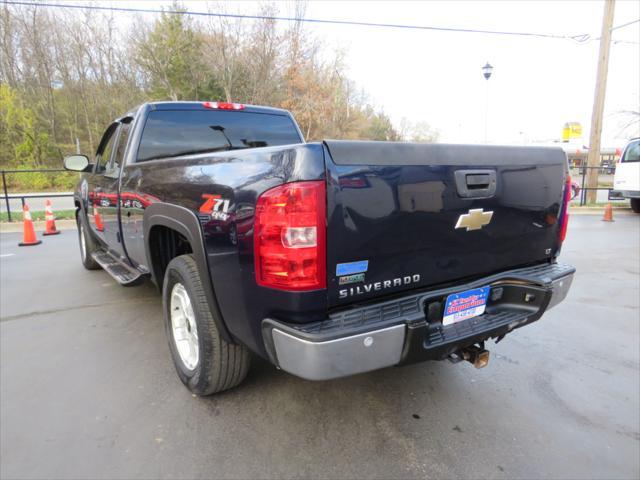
223	105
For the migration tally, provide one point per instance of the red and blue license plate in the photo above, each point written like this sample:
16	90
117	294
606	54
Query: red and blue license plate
464	305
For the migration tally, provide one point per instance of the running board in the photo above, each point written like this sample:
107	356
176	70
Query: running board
124	274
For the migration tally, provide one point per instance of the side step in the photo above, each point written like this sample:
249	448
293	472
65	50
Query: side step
124	274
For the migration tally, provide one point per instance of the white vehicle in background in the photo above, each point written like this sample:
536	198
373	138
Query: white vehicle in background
627	178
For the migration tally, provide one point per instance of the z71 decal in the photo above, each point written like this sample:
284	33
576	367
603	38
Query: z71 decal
216	206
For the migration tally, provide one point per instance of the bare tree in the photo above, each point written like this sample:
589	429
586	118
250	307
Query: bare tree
75	71
629	124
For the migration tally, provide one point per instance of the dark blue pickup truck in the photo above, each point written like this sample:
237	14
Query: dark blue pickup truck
329	258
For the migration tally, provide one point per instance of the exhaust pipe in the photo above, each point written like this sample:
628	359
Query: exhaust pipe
476	355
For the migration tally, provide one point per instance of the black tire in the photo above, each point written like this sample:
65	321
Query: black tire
220	365
88	246
635	205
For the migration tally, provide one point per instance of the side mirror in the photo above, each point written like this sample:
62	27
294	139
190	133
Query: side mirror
76	163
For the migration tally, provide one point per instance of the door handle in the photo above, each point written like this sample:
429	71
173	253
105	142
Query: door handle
476	183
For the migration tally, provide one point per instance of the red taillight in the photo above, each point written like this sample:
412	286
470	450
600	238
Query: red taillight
564	212
290	237
223	105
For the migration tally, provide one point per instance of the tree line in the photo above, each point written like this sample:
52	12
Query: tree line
65	74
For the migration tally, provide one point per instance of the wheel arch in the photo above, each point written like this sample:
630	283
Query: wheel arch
185	223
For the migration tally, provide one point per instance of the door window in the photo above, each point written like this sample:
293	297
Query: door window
118	158
103	156
632	153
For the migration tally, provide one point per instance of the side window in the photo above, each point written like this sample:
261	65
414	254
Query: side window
123	137
632	153
104	150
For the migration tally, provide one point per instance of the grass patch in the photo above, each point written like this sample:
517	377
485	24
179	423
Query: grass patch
17	216
41	181
614	204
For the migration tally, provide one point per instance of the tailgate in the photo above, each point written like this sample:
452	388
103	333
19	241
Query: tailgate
403	216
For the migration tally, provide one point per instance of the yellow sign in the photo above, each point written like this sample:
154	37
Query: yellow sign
571	130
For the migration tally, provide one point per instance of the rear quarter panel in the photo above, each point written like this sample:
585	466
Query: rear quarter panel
239	177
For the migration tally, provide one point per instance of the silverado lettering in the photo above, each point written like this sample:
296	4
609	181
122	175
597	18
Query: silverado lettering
396	282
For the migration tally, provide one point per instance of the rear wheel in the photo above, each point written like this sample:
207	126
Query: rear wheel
205	362
635	205
87	245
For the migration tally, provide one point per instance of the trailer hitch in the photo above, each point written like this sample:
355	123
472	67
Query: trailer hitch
475	354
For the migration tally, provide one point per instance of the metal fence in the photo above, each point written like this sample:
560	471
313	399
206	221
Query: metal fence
605	170
8	196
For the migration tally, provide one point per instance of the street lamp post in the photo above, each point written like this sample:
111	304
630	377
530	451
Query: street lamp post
487	70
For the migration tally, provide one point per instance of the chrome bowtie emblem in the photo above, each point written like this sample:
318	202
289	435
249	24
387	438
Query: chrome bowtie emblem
474	220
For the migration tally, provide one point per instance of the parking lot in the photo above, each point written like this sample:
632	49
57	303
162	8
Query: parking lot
88	388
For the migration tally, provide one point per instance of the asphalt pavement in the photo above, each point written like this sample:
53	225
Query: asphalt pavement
88	390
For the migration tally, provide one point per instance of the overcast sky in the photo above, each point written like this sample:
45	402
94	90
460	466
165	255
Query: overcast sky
537	84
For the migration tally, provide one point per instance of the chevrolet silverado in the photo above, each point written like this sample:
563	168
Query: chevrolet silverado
329	258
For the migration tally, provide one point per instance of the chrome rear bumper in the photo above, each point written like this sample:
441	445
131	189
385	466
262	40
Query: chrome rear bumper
360	340
559	290
339	357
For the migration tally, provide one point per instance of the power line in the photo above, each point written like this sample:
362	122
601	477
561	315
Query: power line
622	26
578	38
626	24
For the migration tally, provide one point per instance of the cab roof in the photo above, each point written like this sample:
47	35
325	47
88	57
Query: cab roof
180	105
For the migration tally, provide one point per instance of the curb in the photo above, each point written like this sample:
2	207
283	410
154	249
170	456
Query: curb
600	211
13	227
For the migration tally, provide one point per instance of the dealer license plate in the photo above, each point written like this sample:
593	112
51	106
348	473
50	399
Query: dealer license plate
464	305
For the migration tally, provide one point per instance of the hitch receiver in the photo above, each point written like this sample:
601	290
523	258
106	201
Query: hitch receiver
476	354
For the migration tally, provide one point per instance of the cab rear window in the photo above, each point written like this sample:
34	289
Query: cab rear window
632	152
186	132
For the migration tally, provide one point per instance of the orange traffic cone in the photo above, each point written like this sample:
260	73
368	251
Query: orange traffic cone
608	213
98	219
50	225
29	235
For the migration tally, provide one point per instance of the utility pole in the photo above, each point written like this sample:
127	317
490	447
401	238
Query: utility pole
593	158
486	114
